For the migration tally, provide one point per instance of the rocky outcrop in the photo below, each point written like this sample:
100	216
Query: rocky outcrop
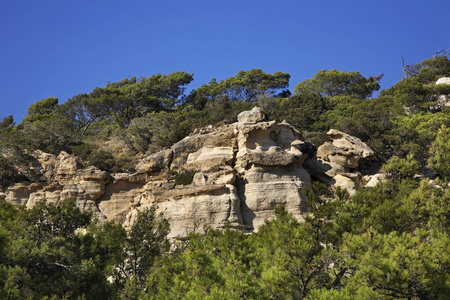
335	161
240	172
233	174
156	163
60	177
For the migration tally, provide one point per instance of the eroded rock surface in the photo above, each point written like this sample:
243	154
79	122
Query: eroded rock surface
240	173
336	160
60	177
252	116
234	174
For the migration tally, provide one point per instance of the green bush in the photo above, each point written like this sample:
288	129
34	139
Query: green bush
184	177
83	150
401	168
102	160
439	160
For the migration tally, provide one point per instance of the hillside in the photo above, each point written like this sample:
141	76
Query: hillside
136	190
233	174
114	126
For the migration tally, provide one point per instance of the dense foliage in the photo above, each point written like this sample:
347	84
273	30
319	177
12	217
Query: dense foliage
386	242
58	251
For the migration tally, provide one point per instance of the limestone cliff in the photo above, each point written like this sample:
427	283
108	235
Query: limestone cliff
232	174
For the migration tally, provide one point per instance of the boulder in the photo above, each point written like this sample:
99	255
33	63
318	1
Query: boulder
252	116
44	164
268	144
193	208
348	181
443	80
93	188
344	149
373	180
222	137
93	174
156	162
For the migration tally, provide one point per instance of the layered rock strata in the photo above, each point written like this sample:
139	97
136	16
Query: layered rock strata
233	174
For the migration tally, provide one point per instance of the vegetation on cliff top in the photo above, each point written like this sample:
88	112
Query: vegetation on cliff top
111	125
386	242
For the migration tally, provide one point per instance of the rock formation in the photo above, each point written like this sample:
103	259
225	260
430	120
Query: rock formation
232	174
336	160
59	178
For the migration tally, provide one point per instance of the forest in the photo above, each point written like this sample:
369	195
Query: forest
386	242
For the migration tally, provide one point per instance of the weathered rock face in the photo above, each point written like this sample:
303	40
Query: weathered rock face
61	177
156	163
240	173
336	159
233	174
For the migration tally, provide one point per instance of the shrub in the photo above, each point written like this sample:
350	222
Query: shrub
102	160
184	177
401	168
440	153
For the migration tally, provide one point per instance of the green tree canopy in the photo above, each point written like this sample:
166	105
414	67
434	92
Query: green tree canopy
429	70
336	83
245	86
417	92
146	241
439	160
41	109
52	252
127	99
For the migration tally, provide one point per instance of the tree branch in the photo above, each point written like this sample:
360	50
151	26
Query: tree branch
338	278
403	68
441	52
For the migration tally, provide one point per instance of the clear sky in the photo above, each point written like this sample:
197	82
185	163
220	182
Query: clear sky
62	48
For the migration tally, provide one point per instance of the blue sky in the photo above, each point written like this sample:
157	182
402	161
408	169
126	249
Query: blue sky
63	48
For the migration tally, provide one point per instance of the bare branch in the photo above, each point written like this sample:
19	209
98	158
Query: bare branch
441	52
403	68
61	265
